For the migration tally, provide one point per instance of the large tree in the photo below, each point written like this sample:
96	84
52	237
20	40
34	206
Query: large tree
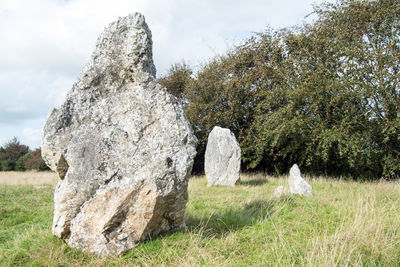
325	95
13	149
339	97
11	152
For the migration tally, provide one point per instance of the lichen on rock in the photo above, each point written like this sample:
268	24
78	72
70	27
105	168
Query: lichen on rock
122	147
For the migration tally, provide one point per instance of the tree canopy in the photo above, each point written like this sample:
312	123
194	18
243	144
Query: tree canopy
324	95
15	156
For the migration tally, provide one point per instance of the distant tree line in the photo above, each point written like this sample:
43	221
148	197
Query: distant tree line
15	156
324	95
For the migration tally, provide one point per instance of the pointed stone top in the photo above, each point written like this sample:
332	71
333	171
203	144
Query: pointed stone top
297	184
221	130
128	40
295	171
123	55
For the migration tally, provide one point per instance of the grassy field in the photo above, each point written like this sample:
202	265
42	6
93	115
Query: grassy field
28	177
343	224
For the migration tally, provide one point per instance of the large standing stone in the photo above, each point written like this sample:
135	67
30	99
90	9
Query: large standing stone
222	158
122	147
297	184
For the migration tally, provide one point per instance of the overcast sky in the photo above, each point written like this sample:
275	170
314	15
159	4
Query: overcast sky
45	43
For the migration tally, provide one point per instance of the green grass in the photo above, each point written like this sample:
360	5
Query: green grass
344	223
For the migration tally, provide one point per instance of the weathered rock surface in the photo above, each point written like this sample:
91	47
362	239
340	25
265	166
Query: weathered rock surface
222	158
122	147
297	184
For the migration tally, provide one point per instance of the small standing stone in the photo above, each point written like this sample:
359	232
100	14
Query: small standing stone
297	184
222	158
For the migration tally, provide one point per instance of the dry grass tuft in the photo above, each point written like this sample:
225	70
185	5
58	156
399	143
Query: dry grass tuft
28	178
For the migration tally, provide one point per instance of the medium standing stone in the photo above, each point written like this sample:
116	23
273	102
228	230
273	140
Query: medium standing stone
297	184
122	147
222	158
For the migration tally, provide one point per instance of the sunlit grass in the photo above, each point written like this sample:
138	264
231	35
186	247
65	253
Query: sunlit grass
28	178
344	223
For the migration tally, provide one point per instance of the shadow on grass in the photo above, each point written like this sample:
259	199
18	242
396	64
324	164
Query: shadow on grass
215	226
255	182
233	219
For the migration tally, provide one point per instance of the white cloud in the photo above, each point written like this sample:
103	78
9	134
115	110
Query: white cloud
46	42
32	137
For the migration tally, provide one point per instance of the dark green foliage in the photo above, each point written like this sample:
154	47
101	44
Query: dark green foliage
13	150
35	161
1	156
177	79
325	95
18	157
10	154
341	95
20	163
7	165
